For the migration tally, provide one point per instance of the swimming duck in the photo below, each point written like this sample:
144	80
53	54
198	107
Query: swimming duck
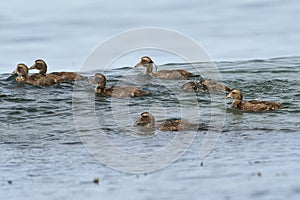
163	74
35	79
116	91
62	76
212	85
205	85
192	85
253	106
147	120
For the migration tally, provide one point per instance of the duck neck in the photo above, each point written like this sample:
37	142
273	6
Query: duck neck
236	103
149	68
101	86
43	71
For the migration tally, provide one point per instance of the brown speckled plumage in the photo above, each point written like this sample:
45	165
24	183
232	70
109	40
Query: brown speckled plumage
116	91
205	85
252	106
147	120
63	77
192	85
35	79
163	74
212	85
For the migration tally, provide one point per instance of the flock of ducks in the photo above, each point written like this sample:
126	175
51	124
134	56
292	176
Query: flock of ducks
42	78
146	119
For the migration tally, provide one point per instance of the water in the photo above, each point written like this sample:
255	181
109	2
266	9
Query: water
64	33
257	155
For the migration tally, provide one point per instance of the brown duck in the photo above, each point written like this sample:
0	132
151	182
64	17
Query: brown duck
62	76
252	106
163	74
205	85
192	85
35	79
147	120
214	86
116	91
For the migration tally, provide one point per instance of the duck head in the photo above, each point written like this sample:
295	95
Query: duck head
40	65
148	63
21	70
235	94
100	80
145	120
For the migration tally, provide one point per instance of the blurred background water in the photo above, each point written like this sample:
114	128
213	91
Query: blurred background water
255	44
64	33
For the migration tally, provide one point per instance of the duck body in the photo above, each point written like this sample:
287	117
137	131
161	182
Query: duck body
205	85
116	91
214	86
163	74
191	85
119	91
251	106
147	120
175	125
67	77
175	74
35	79
63	77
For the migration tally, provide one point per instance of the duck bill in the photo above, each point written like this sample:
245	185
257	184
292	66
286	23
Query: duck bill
138	65
32	67
228	96
14	72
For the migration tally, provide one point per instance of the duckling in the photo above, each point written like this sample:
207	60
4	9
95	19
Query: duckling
147	120
163	74
63	76
212	85
192	85
253	106
35	79
116	91
205	85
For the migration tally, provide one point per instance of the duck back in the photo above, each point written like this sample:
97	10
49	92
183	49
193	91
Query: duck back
118	91
175	125
171	74
256	106
67	76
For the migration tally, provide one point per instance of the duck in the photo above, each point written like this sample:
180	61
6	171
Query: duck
214	86
192	85
205	85
147	62
64	77
252	106
147	120
116	91
35	79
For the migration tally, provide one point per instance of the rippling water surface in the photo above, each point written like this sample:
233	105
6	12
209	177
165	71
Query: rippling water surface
257	154
42	155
